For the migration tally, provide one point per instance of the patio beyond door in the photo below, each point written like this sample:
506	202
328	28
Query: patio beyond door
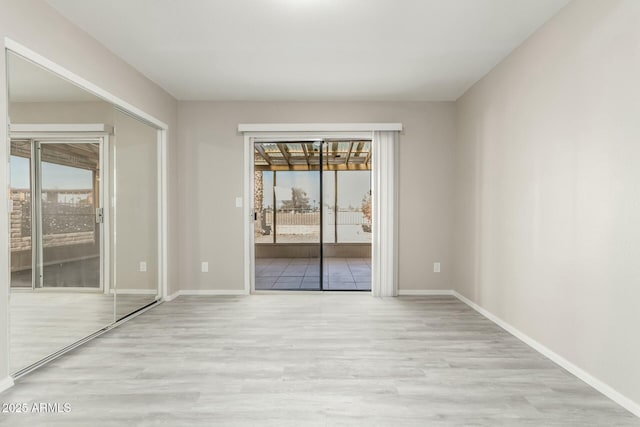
312	215
71	225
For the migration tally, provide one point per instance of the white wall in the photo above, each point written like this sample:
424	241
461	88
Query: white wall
36	25
546	204
61	112
211	176
547	227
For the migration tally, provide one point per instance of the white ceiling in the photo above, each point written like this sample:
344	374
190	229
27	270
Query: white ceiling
31	83
311	49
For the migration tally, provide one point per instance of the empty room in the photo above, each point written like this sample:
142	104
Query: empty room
320	213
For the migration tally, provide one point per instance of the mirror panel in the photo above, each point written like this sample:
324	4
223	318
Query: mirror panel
20	182
57	292
135	216
68	266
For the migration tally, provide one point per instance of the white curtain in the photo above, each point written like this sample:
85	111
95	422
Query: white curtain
384	279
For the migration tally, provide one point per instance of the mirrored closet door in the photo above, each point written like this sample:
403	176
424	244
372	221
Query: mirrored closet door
85	214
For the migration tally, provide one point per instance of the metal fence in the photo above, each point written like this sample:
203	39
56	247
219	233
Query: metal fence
289	217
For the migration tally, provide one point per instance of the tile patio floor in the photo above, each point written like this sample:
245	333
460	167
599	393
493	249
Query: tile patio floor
352	274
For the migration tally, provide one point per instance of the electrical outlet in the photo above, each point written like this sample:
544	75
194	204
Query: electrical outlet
143	267
205	267
238	202
436	267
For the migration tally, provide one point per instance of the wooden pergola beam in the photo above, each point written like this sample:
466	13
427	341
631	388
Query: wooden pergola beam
285	153
261	152
306	153
350	151
340	167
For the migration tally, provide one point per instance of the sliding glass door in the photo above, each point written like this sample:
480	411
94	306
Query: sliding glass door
56	220
312	217
287	216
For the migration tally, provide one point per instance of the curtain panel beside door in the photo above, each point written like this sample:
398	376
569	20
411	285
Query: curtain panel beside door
385	213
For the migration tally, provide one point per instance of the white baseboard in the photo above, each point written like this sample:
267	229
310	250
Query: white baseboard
133	291
173	296
602	387
417	292
6	383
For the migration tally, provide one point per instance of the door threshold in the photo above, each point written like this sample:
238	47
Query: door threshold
308	291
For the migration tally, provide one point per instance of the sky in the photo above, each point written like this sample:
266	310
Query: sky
54	177
352	186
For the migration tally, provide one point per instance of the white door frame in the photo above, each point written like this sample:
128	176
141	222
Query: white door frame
283	132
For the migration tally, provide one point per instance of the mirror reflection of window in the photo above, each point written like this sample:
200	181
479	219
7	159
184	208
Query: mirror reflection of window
68	174
67	200
62	259
21	250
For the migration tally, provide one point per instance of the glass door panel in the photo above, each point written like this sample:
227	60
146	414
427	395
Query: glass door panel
287	216
69	197
328	207
354	222
338	276
347	216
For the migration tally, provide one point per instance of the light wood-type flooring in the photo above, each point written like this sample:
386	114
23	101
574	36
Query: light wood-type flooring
320	359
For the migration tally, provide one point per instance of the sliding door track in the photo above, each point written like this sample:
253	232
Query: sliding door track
53	356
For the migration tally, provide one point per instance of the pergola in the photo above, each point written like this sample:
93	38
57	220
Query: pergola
305	155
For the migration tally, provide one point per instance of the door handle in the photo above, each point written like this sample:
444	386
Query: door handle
99	215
